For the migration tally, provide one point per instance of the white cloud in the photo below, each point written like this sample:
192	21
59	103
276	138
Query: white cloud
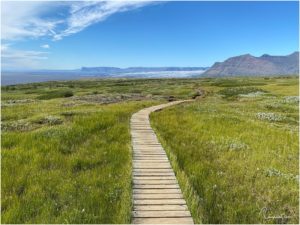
26	19
45	46
84	14
56	20
21	59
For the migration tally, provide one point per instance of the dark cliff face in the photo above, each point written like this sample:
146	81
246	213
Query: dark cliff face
248	65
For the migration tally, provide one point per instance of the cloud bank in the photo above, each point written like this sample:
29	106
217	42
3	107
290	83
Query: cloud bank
21	59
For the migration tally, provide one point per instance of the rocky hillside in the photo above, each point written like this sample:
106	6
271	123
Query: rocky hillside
248	65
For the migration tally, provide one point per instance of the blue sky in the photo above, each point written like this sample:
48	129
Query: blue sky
68	35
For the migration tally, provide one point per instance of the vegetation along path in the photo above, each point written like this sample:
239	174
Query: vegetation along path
157	197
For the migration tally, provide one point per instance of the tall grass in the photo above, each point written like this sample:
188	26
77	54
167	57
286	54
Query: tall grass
242	168
75	172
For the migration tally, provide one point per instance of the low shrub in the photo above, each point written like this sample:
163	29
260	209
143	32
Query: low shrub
19	125
232	93
56	94
51	120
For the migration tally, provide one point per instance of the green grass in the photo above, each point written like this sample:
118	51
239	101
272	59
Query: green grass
233	164
67	159
75	172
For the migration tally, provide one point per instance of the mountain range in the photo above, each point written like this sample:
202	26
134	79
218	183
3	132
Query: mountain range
243	65
17	77
248	65
144	72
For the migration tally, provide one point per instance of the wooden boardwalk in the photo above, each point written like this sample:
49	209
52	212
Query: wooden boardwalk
157	197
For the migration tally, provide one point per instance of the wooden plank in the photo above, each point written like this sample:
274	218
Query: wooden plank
141	154
153	165
153	157
149	153
157	186
149	150
150	160
156	191
186	220
159	207
145	175
142	158
142	143
142	182
147	147
168	177
158	196
138	132
147	139
142	149
149	157
138	150
154	170
144	137
160	214
149	176
159	201
142	129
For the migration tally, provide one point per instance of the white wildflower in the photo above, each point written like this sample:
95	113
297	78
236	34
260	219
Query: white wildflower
272	117
291	99
252	94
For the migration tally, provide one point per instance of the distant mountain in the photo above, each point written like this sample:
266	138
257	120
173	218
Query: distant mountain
102	70
17	77
248	65
116	70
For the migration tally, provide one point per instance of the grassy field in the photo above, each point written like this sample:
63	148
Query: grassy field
66	155
236	151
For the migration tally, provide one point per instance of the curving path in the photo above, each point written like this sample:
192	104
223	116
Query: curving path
157	197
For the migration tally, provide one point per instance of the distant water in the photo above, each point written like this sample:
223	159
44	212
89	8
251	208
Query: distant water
24	78
10	78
